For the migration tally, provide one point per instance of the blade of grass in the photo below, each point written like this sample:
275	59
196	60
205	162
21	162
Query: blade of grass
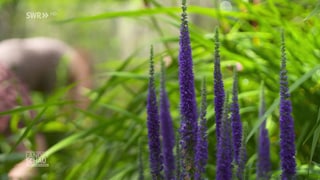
315	12
158	10
313	129
73	139
29	127
26	108
110	83
316	136
123	112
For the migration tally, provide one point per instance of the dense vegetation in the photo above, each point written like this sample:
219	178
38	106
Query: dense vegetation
105	141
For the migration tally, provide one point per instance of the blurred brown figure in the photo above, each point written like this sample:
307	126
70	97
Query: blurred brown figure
35	62
32	64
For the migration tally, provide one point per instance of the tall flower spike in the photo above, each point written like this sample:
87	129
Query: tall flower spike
153	126
242	156
218	86
188	106
167	131
235	118
264	162
202	140
287	136
224	151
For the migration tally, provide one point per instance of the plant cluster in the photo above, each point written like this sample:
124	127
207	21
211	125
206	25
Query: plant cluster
192	151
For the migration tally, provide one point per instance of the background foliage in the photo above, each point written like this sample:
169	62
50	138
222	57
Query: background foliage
102	142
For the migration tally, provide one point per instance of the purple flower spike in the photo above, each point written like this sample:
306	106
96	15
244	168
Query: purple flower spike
242	156
224	151
264	162
202	140
287	136
218	86
166	130
153	126
235	118
188	106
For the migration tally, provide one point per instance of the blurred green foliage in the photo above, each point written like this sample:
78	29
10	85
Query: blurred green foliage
102	142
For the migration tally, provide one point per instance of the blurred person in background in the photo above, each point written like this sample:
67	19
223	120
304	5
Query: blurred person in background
34	64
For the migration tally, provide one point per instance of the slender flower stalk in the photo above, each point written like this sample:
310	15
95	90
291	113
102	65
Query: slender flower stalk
242	156
219	94
287	136
224	151
178	158
167	131
202	140
264	162
188	106
153	126
235	118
